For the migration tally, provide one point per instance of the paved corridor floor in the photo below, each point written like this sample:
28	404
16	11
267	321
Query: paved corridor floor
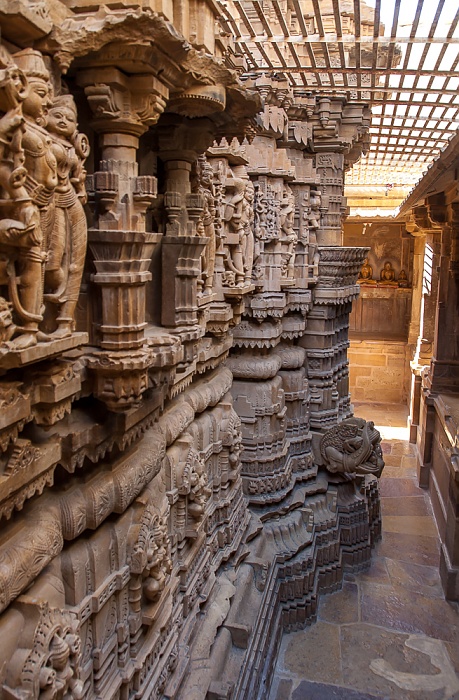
389	633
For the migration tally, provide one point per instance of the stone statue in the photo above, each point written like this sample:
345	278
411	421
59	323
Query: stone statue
68	235
206	225
239	215
366	273
353	447
387	276
402	279
315	201
40	163
289	236
21	255
247	242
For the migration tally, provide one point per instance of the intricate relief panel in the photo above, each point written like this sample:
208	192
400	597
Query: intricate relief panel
47	663
43	243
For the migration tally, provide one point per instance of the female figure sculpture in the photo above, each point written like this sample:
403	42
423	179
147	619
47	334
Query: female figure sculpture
68	235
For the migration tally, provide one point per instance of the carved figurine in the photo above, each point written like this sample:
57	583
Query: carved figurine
387	276
315	200
206	225
353	447
366	273
21	256
248	243
402	280
68	235
239	215
158	565
288	234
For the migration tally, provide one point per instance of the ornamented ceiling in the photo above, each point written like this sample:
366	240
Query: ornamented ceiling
402	55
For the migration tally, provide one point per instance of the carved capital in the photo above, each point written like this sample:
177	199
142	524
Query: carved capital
121	103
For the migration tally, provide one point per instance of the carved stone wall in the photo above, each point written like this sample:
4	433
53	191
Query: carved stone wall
181	475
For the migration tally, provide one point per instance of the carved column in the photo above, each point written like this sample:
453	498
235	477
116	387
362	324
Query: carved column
124	108
338	137
180	142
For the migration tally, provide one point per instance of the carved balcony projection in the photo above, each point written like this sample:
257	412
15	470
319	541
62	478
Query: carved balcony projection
180	472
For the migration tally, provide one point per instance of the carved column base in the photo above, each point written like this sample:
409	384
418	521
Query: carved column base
122	259
181	269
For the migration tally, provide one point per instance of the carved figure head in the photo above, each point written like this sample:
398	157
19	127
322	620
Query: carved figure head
39	97
62	117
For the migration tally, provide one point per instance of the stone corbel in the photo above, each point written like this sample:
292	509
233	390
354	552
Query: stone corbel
54	389
124	107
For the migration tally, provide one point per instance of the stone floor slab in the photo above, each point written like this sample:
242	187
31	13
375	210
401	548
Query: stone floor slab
399	488
410	548
424	579
305	652
410	525
413	505
320	691
387	665
343	607
393	607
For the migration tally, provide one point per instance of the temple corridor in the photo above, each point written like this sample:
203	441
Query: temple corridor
379	631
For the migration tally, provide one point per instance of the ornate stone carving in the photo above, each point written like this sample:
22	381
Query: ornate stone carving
27	181
50	666
150	559
67	236
183	463
353	447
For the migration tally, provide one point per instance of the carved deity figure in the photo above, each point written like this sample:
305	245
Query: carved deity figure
21	255
68	235
240	215
39	161
387	276
353	447
366	273
289	236
206	224
402	279
193	484
158	563
315	200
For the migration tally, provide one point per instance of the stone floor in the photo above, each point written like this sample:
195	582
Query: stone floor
388	633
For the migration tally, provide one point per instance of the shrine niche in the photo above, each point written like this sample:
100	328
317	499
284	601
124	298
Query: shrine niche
386	281
174	313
